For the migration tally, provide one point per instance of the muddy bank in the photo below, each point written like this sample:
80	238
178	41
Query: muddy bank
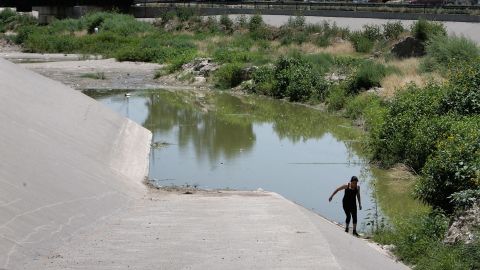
91	72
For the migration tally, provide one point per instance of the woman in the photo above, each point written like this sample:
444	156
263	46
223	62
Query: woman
352	191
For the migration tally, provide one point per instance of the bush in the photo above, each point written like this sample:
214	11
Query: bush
264	80
242	21
372	32
291	77
463	96
361	43
444	52
297	80
184	13
227	23
425	30
255	23
367	75
405	112
228	76
336	98
454	166
393	30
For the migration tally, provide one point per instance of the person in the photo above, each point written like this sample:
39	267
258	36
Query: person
352	192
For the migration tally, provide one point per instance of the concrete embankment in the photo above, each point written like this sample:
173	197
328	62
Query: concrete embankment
66	162
72	197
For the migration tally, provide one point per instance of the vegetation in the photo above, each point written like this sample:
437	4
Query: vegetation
432	128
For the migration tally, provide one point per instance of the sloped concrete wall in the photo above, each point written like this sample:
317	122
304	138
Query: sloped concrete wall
66	161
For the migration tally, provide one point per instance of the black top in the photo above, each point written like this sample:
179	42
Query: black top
350	196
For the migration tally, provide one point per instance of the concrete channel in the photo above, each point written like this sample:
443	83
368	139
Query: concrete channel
72	197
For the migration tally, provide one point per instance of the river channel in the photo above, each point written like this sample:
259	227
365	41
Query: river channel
220	141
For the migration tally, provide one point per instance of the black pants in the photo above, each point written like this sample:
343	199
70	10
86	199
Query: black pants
351	212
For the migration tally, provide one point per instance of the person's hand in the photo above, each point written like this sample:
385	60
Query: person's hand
330	199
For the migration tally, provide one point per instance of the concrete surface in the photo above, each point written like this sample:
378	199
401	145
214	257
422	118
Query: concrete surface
71	197
467	29
66	162
215	230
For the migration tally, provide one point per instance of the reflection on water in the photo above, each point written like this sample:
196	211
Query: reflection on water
224	141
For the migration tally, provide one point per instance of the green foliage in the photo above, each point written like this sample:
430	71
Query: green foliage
228	76
425	30
361	43
322	62
227	23
336	98
406	111
464	84
454	166
465	198
297	80
242	21
393	30
372	32
367	75
444	52
10	20
255	23
264	80
185	13
293	78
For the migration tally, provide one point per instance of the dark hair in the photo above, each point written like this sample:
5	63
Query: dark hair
354	179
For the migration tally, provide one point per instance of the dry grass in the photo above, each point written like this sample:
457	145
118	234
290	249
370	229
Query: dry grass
409	73
341	48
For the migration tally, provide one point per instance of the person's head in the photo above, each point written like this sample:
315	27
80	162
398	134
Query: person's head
353	181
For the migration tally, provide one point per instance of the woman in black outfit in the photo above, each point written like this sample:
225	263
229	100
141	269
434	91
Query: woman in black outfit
352	192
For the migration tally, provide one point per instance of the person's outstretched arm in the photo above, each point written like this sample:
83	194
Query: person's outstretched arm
337	190
358	197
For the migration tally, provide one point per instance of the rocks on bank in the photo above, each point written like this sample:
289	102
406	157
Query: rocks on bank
465	225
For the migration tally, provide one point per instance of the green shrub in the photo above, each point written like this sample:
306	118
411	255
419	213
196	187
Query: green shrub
367	75
264	80
393	30
454	166
228	76
336	98
372	32
361	43
255	23
322	62
415	236
185	13
465	199
297	80
425	30
242	21
464	84
227	23
444	52
405	112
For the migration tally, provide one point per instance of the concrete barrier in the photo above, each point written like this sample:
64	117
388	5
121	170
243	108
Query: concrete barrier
66	162
154	12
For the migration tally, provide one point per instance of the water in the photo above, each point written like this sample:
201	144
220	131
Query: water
223	141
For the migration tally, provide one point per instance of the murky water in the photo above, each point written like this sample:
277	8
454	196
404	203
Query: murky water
224	141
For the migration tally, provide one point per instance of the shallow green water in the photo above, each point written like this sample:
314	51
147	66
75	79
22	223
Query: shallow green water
224	141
